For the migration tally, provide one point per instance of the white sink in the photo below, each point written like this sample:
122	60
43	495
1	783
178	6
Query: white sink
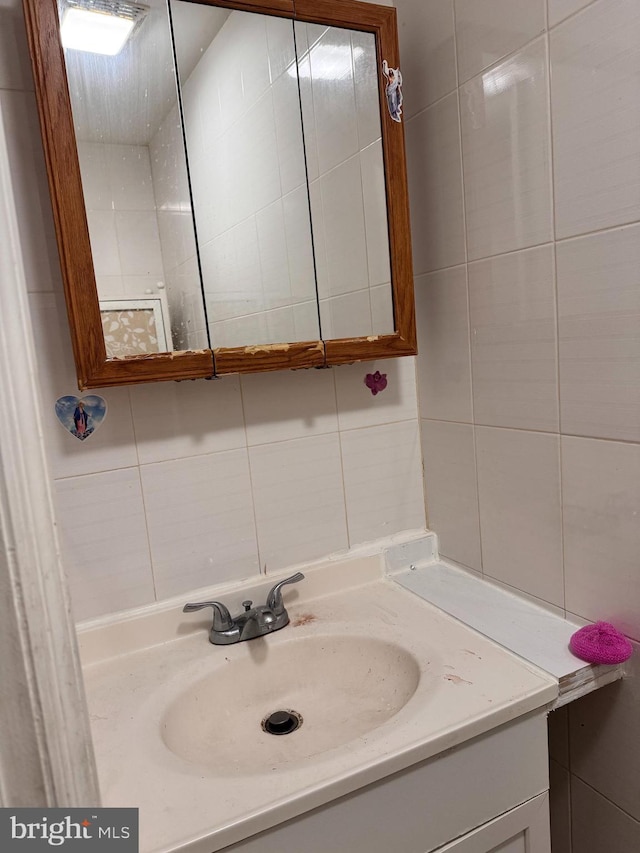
381	679
342	686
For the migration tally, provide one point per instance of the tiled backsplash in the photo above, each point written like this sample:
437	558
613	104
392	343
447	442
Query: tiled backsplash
523	150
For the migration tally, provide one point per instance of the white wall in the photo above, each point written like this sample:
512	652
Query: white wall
523	150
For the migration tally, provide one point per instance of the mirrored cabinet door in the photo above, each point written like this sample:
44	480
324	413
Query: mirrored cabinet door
242	125
129	138
228	183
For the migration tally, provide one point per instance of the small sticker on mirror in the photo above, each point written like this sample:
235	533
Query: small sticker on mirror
393	90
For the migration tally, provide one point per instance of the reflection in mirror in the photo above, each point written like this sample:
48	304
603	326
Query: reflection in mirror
135	182
242	119
339	80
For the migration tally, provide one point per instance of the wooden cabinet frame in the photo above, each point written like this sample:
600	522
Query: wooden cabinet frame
93	367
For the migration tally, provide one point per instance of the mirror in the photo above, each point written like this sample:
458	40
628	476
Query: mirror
236	192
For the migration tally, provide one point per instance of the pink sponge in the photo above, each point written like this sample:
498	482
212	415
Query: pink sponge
600	643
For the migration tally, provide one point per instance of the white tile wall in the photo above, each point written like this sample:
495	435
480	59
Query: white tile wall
200	520
452	490
444	363
553	432
513	340
506	154
434	168
561	9
104	537
299	500
596	123
487	30
428	52
382	480
599	340
601	490
520	521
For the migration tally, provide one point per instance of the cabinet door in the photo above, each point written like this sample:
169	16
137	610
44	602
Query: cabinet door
524	829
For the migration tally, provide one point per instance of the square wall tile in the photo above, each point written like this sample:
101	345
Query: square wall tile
605	739
104	542
113	444
561	9
487	30
601	497
506	152
520	517
382	481
427	51
358	407
599	825
177	419
299	500
289	404
452	493
443	361
599	318
200	520
513	340
595	77
434	168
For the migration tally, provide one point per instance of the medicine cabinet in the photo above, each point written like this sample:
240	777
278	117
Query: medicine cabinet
228	183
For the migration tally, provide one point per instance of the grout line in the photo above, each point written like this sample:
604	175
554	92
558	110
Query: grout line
504	58
572	15
632	442
344	485
146	524
435	103
633	223
608	799
468	294
253	500
556	309
142	497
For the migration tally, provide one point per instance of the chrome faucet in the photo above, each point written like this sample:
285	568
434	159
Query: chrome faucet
252	622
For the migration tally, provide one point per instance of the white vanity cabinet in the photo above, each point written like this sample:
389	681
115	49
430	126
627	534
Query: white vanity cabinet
524	829
487	795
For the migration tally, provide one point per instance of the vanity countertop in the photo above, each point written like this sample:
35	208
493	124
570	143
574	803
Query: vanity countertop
362	633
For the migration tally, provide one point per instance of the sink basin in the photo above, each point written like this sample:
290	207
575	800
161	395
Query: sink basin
342	686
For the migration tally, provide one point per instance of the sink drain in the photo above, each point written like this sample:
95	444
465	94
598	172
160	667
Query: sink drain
282	722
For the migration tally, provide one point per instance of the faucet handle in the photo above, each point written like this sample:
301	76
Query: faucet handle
274	599
222	620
